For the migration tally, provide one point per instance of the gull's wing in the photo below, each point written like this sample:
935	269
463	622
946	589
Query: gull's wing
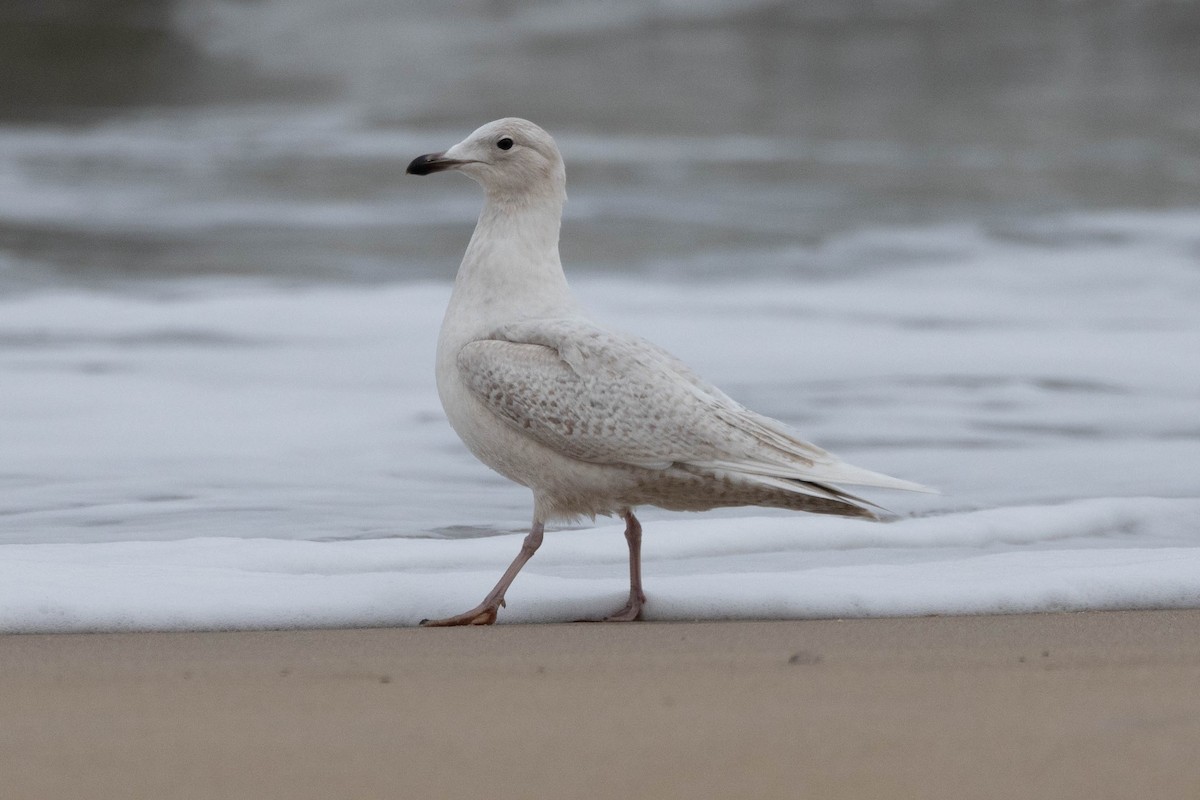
605	397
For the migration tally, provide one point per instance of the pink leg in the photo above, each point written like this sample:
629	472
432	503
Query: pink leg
632	609
485	612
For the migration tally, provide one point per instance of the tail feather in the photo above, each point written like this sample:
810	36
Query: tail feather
818	474
813	497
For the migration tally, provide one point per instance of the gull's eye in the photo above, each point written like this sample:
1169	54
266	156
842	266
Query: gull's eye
505	144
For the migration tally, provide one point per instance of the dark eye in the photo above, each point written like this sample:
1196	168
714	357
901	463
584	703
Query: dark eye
505	143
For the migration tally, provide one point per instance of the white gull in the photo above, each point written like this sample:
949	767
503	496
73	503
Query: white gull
593	421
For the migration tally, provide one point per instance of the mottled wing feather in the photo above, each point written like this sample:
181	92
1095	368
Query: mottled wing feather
590	415
606	397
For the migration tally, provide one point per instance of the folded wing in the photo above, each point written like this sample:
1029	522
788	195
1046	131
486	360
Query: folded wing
609	398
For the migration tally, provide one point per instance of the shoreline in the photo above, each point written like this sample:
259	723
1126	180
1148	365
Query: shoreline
1062	705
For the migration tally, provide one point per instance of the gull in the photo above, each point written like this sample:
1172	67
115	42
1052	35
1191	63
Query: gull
592	420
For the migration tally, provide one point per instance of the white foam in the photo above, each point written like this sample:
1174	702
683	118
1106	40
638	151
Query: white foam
1127	553
178	461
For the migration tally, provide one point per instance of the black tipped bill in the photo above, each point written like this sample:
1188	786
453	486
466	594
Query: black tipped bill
431	162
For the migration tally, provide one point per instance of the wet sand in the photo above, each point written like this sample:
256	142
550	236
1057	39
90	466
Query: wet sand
1085	705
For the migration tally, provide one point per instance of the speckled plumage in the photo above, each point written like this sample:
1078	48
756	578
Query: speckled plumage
593	421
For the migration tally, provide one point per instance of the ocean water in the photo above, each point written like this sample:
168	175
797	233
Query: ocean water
953	244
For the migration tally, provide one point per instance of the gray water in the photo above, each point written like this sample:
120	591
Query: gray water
147	141
956	242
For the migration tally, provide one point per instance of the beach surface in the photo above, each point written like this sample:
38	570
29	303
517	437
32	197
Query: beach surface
1088	704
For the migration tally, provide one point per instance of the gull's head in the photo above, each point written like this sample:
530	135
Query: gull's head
512	159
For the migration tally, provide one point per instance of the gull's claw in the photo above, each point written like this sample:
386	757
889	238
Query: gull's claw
630	613
482	615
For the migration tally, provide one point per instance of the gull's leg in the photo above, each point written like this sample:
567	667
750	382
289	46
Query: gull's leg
485	612
632	609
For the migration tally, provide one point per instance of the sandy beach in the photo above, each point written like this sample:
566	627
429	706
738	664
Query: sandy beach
1087	705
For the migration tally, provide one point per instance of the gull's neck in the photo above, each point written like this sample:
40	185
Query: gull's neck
511	269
